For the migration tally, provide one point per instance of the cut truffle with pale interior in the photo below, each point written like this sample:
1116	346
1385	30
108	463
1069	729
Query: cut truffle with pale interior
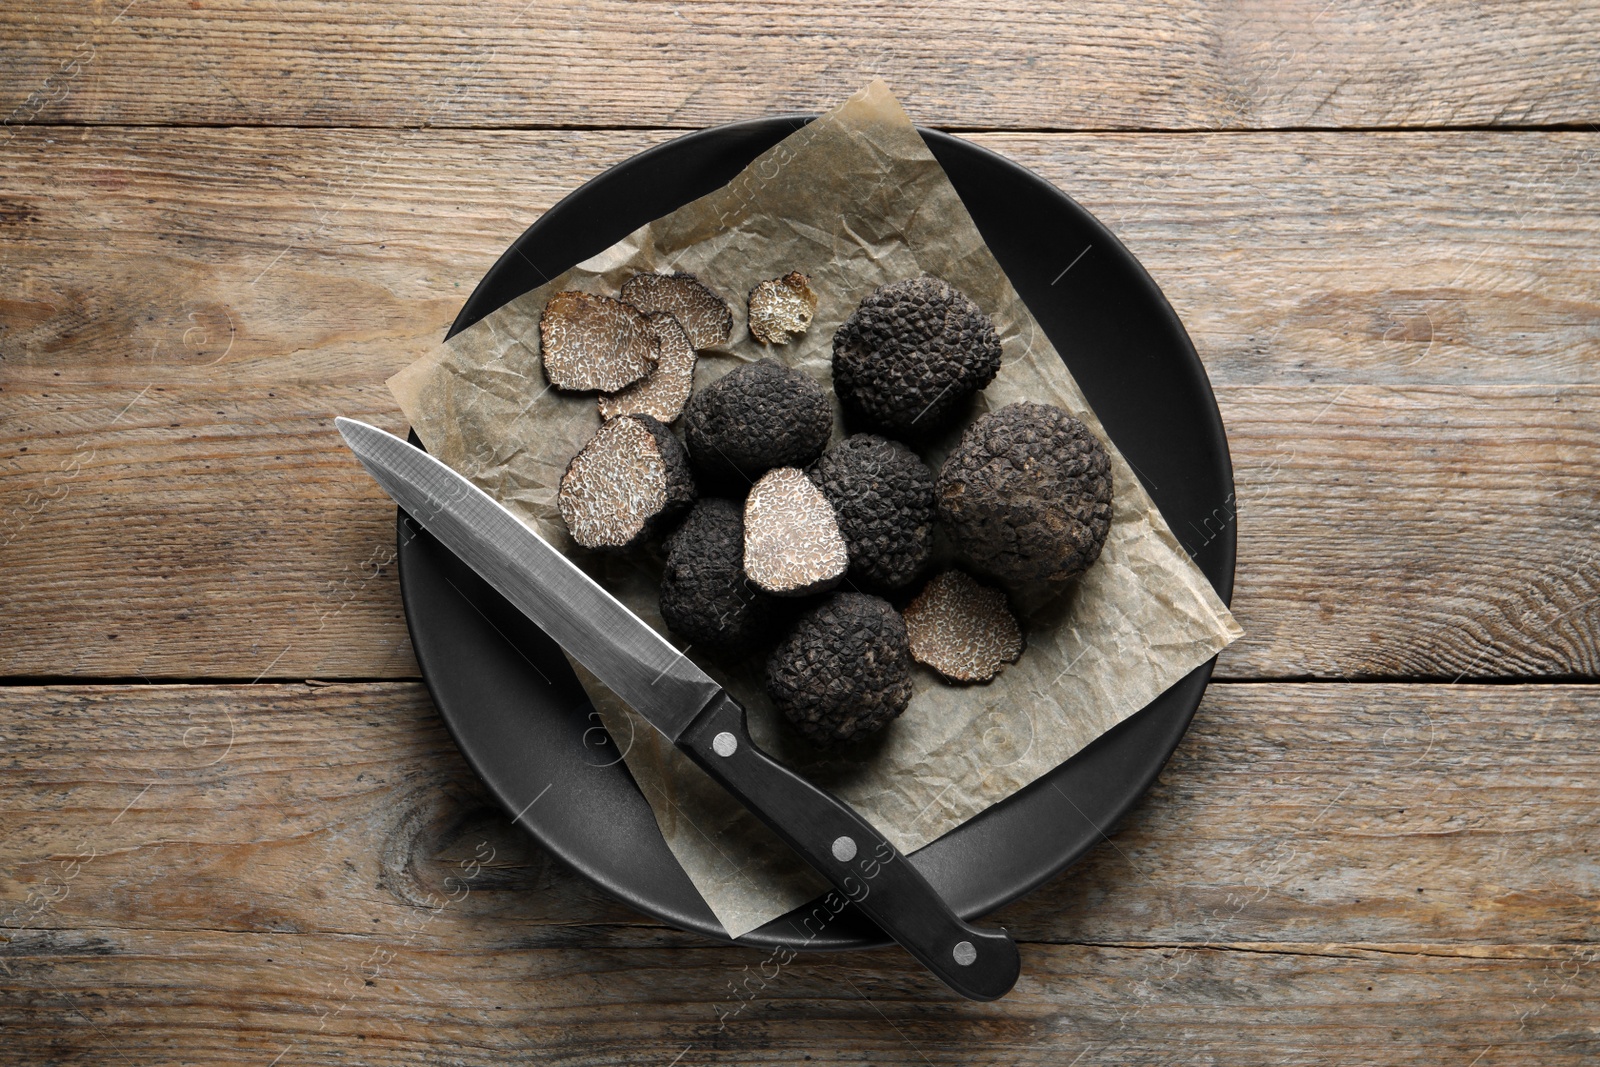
594	342
1026	494
625	485
844	671
781	308
962	628
883	494
792	543
760	416
703	314
706	598
663	392
909	357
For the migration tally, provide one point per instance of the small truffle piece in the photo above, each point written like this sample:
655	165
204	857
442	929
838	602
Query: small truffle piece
883	495
781	308
911	355
594	342
962	628
1026	495
761	416
706	597
844	671
628	482
702	313
792	543
665	390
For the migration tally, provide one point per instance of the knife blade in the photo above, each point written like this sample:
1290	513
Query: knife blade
663	685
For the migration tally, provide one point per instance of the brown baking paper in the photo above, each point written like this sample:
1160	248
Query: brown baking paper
855	200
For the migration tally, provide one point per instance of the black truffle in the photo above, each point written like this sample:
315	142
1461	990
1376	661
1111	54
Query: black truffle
594	342
627	484
760	416
664	392
706	597
911	355
702	313
962	628
844	670
781	309
792	542
883	496
1027	494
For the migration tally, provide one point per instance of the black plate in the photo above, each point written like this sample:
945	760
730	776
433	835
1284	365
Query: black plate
523	721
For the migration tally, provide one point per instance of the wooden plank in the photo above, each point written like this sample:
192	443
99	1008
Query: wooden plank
1132	64
1312	813
1411	404
281	888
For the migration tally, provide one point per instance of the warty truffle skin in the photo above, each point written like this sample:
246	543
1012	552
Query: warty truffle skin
909	357
761	416
844	671
882	494
1026	495
706	598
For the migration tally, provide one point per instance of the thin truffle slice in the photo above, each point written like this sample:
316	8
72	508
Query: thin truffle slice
781	308
664	392
702	313
594	342
962	628
628	482
883	494
911	355
706	597
1026	495
761	416
792	543
844	671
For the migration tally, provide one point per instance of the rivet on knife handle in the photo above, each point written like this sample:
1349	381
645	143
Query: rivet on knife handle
845	849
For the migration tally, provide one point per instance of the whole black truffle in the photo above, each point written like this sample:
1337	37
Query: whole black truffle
912	354
1027	494
760	416
882	494
844	670
705	596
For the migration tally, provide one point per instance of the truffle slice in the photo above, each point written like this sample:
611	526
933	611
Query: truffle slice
705	596
664	392
781	308
844	670
760	416
911	354
792	543
1026	495
631	479
702	313
594	342
962	628
883	495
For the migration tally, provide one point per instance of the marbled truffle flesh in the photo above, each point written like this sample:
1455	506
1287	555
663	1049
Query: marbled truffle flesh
911	354
663	393
962	628
844	671
702	313
706	598
780	309
625	485
760	416
792	543
1026	495
883	495
594	342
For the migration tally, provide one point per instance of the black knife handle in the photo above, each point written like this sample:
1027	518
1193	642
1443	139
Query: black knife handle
846	850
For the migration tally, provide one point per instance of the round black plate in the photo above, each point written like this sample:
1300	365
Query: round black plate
525	725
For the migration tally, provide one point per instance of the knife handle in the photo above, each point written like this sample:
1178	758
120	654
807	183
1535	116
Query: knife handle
847	851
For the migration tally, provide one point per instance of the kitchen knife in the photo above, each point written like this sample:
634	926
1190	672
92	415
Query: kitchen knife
693	711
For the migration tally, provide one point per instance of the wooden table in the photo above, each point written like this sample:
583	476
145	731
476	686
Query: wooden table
232	827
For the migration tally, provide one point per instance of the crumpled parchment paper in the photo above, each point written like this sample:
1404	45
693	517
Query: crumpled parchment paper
855	200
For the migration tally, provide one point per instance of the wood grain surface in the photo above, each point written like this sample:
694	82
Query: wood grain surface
221	224
1387	873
